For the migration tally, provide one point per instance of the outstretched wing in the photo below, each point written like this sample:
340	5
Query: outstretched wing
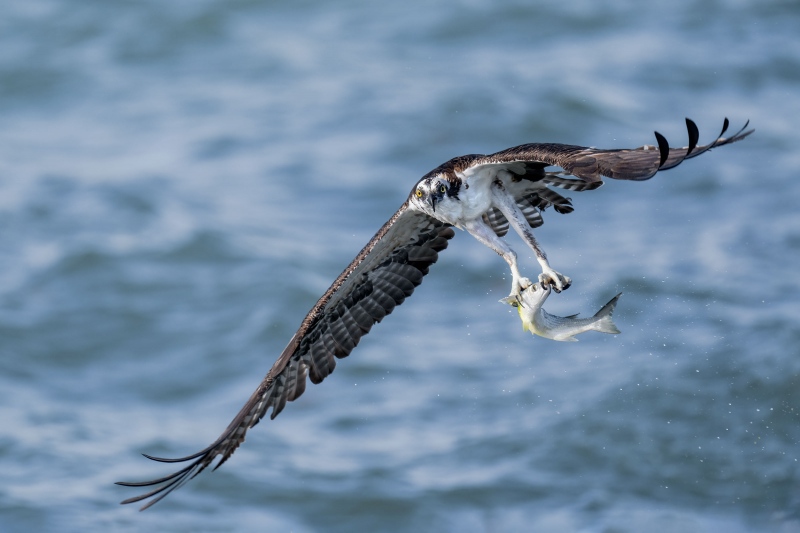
382	276
583	169
590	165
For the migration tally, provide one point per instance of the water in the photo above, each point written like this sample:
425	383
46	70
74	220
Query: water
179	182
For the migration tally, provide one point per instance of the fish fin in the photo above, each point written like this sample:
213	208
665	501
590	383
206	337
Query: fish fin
572	316
604	323
569	338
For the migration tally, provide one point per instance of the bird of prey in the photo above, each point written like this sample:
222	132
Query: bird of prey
482	194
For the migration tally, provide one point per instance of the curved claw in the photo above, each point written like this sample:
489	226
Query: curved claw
517	286
555	280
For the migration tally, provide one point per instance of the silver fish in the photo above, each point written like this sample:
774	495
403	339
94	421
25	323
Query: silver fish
560	328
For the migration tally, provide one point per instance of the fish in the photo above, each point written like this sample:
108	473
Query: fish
560	328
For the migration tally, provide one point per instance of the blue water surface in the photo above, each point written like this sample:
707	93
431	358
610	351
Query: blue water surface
180	181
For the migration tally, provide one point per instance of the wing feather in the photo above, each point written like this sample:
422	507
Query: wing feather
591	164
588	166
382	298
381	277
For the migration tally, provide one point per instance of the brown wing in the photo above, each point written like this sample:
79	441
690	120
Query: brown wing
382	276
589	165
592	164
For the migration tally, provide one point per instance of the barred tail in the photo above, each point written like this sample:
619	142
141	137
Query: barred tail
553	178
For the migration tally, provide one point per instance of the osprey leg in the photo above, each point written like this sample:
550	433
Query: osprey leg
486	236
506	204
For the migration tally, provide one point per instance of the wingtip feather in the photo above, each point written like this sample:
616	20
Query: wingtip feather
663	148
694	135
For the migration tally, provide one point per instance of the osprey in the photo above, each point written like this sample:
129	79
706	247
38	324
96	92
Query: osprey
482	194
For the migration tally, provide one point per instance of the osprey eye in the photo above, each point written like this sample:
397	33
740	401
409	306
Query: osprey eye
419	193
442	188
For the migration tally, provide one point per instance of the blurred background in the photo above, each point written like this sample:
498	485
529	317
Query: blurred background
180	181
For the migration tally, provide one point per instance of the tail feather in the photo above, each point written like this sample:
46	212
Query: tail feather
556	179
544	198
495	219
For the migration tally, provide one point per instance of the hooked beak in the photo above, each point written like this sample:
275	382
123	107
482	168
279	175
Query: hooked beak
433	198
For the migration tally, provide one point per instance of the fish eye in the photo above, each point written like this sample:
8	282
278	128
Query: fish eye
442	188
419	193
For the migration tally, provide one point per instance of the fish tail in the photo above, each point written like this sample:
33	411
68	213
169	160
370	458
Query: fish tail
604	322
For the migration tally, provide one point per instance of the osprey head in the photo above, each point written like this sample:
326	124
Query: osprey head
431	191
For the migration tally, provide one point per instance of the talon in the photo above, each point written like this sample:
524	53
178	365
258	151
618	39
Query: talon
518	284
547	280
558	282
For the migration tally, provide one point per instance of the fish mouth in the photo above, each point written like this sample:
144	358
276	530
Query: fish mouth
535	295
539	287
